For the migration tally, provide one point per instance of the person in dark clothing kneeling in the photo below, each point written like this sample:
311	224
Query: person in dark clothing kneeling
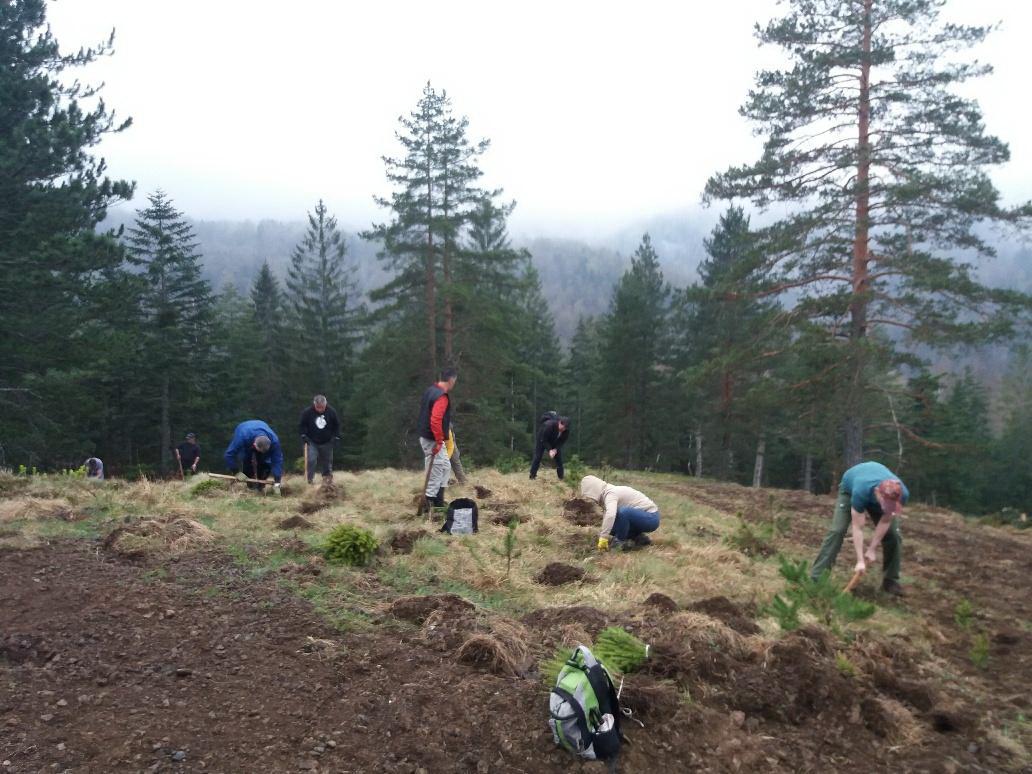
552	434
319	428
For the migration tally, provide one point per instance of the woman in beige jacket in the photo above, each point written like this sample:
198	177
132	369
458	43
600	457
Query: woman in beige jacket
628	516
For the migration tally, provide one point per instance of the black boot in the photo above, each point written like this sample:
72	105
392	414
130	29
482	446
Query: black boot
438	498
892	587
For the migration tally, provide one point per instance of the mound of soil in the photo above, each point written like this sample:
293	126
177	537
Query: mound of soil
295	522
135	541
417	609
502	650
661	602
482	491
557	574
312	506
583	513
648	698
565	625
723	609
403	542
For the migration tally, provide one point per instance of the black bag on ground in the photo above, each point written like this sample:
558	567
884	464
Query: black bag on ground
462	517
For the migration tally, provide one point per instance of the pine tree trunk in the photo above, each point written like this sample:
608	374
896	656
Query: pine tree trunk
808	473
853	441
166	428
761	454
449	321
431	301
698	452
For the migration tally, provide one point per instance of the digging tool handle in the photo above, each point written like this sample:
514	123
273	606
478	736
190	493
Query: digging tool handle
179	459
853	582
234	478
424	502
306	459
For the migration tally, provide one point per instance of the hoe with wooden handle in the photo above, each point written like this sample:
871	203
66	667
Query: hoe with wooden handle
853	582
234	478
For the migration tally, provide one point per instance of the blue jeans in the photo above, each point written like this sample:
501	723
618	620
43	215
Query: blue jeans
631	522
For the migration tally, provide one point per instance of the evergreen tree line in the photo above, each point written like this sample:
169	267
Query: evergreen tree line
791	358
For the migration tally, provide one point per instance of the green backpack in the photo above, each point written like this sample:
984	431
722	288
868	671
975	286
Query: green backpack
584	708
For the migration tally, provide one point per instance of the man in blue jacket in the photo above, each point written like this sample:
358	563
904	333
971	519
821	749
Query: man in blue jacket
255	452
867	489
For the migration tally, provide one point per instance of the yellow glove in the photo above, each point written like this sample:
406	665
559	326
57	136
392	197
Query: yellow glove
603	544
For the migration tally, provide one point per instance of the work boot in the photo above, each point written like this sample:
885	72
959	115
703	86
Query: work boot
892	587
642	540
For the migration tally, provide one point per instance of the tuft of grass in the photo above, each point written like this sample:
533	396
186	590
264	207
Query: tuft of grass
963	614
979	652
846	667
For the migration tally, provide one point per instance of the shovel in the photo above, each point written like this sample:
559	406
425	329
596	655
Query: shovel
853	582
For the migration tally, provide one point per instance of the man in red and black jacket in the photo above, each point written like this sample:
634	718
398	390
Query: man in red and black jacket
434	423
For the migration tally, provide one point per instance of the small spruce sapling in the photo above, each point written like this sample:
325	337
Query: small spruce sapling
508	549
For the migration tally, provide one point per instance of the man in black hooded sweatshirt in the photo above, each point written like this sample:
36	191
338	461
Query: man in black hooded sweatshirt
551	436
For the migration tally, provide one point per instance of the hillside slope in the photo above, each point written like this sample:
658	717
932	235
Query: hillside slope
194	626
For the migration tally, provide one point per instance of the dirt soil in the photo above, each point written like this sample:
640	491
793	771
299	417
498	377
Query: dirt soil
295	522
557	574
583	513
184	661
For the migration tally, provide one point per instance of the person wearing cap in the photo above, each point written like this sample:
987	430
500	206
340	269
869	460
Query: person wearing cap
867	489
255	452
551	436
189	454
94	468
627	514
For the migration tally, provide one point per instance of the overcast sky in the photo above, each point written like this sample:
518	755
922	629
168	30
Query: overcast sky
599	113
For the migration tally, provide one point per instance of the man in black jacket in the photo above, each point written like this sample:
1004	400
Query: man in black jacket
189	454
551	436
319	428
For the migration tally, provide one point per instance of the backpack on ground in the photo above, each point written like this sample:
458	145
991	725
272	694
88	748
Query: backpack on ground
461	518
584	708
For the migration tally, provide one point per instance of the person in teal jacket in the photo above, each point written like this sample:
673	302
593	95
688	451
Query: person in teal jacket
867	489
255	452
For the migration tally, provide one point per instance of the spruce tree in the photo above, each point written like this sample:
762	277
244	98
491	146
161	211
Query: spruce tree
729	344
325	315
176	307
634	362
58	277
881	168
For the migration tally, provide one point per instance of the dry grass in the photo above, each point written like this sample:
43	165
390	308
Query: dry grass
33	508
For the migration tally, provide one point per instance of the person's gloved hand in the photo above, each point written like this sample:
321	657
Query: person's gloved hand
240	476
603	544
276	490
437	447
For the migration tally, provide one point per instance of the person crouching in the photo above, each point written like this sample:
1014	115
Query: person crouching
628	514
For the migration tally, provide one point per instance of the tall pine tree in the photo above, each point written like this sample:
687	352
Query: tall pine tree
882	168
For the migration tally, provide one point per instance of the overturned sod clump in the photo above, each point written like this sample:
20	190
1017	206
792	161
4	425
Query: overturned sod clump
558	574
583	513
660	602
501	650
35	508
350	545
295	522
149	536
418	608
482	491
404	541
209	487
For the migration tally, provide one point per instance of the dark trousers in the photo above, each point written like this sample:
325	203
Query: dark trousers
539	452
254	466
320	455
